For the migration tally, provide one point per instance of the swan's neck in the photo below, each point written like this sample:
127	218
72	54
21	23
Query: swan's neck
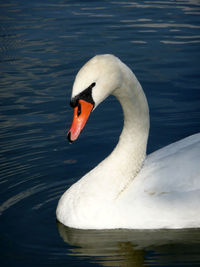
126	160
130	151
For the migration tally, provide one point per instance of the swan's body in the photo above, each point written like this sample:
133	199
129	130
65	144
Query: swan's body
128	189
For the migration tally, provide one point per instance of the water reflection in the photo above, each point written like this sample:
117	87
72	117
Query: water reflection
42	46
133	247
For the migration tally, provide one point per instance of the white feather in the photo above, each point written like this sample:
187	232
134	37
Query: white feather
128	189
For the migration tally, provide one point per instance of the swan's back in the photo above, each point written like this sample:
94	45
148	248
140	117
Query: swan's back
168	187
177	166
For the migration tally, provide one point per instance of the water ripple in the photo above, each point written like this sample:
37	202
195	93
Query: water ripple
42	46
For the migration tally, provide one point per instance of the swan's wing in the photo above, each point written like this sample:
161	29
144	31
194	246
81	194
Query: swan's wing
166	192
175	167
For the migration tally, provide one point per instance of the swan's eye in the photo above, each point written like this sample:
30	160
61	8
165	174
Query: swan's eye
79	110
92	85
84	95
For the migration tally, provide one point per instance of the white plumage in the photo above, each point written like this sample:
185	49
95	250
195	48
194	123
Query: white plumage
129	189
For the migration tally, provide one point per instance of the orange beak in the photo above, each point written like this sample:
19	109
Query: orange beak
81	114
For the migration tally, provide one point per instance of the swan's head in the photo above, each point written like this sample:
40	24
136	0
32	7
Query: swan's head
97	79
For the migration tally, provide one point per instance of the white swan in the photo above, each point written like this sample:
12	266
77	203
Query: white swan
129	189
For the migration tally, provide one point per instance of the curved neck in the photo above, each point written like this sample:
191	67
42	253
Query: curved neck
113	175
130	152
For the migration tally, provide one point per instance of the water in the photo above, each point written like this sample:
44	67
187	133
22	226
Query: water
42	46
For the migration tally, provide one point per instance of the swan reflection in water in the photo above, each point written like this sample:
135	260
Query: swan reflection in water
134	247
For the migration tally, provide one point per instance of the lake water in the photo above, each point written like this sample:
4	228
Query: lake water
42	46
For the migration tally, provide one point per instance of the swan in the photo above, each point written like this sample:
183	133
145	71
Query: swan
129	189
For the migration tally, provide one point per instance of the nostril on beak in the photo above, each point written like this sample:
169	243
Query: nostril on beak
79	109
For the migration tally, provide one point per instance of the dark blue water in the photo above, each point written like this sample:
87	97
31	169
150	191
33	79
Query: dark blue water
42	46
